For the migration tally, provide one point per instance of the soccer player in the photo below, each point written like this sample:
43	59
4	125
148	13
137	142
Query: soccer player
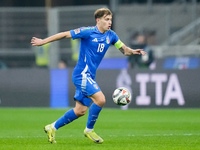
95	41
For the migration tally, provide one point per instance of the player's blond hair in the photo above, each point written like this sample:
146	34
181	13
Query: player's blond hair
101	12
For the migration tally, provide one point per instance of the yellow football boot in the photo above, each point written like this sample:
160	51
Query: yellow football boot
93	136
50	133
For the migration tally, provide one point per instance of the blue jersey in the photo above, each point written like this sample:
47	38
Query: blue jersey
93	47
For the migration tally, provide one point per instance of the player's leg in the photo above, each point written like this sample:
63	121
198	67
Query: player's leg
94	110
71	115
87	90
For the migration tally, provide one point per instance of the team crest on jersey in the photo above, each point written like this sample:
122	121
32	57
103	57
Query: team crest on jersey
77	31
95	86
107	40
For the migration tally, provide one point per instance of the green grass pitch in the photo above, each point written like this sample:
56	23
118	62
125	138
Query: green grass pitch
134	129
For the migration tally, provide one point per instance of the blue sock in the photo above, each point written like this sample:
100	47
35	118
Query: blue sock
68	117
93	115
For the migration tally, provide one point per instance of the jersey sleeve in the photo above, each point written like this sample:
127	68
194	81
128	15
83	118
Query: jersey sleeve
82	32
116	41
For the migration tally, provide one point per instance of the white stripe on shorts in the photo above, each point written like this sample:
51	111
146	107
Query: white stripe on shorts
84	78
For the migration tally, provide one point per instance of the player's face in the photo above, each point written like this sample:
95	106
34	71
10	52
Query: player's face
104	23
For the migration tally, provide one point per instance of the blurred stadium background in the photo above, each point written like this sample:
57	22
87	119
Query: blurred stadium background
172	29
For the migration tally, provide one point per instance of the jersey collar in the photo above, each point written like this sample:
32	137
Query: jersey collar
99	31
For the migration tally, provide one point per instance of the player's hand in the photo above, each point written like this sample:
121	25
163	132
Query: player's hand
139	52
36	41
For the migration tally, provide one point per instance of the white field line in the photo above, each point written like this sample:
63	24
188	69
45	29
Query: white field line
129	135
168	134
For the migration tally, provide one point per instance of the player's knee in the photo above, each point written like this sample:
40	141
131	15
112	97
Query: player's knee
101	101
80	113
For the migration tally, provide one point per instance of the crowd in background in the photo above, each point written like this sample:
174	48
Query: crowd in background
141	40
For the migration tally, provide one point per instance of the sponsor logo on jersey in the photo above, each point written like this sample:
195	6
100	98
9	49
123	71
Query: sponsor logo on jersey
107	40
77	31
95	40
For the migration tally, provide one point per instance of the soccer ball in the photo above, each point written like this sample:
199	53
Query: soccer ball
121	96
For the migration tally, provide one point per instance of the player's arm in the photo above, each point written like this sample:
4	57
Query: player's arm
127	50
38	42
